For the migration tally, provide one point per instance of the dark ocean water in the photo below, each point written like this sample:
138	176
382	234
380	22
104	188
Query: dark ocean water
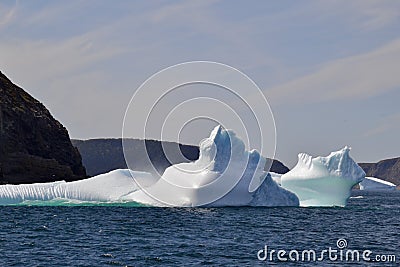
140	236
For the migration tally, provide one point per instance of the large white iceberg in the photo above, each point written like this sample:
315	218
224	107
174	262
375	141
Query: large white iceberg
323	181
375	184
224	175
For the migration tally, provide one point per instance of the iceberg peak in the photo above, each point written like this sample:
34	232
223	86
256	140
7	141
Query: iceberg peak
220	148
339	163
324	181
226	174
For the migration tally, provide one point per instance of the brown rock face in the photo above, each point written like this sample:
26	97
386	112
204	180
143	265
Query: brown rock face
388	170
34	147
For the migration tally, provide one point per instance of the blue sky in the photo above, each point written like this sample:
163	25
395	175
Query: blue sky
330	69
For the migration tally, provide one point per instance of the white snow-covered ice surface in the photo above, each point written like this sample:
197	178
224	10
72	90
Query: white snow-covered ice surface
323	181
108	187
226	174
376	184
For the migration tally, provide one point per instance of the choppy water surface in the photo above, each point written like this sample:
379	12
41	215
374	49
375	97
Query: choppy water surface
92	234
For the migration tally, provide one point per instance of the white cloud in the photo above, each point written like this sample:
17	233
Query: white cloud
359	76
378	13
186	8
367	15
41	60
389	123
7	14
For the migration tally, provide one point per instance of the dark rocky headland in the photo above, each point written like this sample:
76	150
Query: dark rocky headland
34	147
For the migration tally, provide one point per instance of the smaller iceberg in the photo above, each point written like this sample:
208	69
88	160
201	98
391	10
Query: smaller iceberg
323	181
375	184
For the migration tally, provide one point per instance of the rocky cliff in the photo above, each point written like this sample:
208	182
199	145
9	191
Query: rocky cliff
388	170
34	147
103	155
